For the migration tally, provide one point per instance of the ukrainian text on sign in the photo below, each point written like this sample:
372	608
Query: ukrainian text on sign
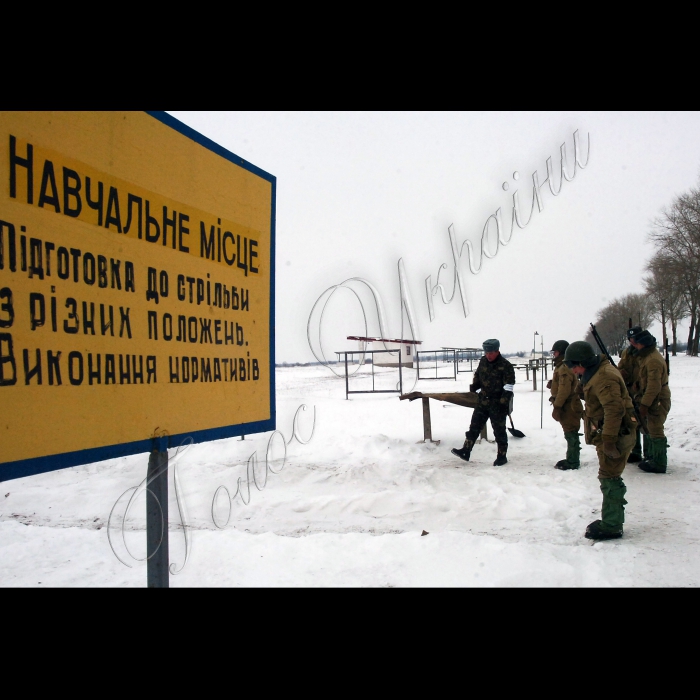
135	285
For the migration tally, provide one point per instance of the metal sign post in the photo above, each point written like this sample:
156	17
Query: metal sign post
157	549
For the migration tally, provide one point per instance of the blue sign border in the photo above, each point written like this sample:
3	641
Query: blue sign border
39	465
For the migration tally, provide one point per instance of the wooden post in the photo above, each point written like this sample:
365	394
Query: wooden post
534	378
347	385
427	427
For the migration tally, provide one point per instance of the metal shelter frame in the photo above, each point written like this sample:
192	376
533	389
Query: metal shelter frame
446	353
345	353
464	355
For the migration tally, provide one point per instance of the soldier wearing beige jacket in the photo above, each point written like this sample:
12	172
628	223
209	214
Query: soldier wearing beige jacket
567	408
654	397
610	425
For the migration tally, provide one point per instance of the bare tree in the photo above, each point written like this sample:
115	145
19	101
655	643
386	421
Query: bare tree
612	321
664	291
676	235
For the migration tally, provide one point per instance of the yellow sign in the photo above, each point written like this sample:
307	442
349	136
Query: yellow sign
136	288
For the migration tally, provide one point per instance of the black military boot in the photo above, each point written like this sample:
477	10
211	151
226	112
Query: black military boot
650	466
596	531
501	458
636	454
466	450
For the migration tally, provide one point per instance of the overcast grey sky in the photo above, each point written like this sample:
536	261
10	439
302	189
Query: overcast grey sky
356	191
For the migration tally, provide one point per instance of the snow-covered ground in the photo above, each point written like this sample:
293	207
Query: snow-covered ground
349	507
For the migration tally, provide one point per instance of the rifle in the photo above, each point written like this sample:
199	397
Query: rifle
668	364
604	350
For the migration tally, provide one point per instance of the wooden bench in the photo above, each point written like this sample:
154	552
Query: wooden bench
467	399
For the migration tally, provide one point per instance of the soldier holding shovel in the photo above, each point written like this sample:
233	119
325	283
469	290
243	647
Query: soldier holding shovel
494	379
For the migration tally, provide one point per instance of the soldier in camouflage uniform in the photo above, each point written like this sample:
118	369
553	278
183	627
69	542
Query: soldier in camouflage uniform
567	406
654	399
629	369
610	425
494	379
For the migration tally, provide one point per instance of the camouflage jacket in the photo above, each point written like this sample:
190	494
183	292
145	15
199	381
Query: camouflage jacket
493	378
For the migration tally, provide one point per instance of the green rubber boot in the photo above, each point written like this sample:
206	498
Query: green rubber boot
612	512
573	450
657	462
647	446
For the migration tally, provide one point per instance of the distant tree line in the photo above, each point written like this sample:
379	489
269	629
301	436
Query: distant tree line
671	282
613	321
674	270
297	364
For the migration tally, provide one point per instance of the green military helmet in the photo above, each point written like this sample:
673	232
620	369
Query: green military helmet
580	353
560	346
